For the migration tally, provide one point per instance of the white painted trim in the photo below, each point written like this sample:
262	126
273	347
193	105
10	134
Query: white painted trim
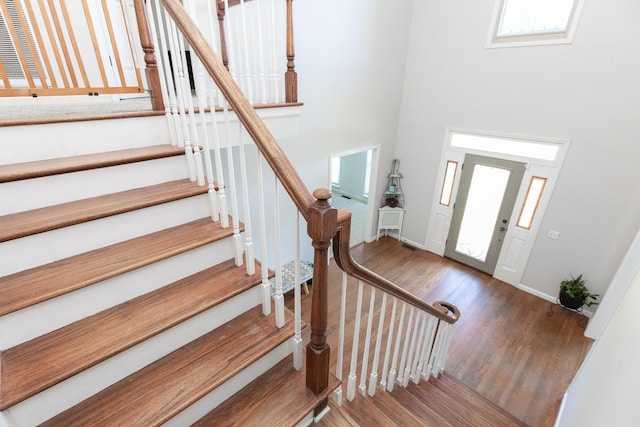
509	268
540	39
547	297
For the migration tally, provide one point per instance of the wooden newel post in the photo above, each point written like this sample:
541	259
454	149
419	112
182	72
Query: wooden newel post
290	77
220	9
321	227
151	69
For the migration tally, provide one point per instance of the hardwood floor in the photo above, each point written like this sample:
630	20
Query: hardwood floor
505	346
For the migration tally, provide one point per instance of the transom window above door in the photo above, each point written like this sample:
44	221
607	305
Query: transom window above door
533	22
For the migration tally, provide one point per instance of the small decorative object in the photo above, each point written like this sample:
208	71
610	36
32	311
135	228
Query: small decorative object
393	195
574	294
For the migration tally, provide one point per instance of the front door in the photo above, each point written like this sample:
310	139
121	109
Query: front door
487	193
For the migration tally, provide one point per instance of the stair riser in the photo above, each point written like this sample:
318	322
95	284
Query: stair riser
55	399
229	388
47	141
53	190
43	248
53	314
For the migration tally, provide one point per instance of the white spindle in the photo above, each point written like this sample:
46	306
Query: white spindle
387	351
261	67
231	52
367	342
444	349
237	239
248	237
412	349
373	377
415	373
264	265
297	339
279	298
178	70
394	363
163	31
351	384
435	352
161	71
337	395
275	77
405	347
246	49
428	346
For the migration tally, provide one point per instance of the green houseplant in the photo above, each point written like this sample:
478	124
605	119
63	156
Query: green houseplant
574	294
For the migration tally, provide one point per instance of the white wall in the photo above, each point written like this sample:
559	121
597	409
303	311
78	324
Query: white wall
587	92
350	58
605	391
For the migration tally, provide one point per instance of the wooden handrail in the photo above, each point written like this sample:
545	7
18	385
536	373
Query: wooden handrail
342	255
324	223
256	128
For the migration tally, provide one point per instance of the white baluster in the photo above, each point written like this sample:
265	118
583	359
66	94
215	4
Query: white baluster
337	395
415	373
444	348
405	346
351	384
266	286
161	70
237	239
373	377
275	75
387	351
246	49
297	339
428	346
230	38
176	60
367	342
435	352
261	67
392	372
279	298
412	349
174	122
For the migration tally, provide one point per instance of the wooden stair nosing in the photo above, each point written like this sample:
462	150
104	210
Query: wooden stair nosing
473	399
158	392
279	397
42	362
29	287
21	224
41	168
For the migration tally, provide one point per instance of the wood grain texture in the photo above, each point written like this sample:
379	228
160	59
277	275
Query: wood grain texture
32	286
504	346
277	398
44	361
160	391
49	218
61	165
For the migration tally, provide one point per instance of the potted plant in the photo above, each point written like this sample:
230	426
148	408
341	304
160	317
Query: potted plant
574	294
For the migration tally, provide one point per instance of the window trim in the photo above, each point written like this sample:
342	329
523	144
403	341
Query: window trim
546	38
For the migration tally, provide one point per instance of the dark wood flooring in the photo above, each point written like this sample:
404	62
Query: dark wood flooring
505	347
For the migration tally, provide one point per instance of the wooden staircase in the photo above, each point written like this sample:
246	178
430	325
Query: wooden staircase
121	302
442	402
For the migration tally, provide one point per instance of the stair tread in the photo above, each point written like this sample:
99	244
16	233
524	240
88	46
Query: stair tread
40	168
21	224
453	406
418	408
472	399
277	398
44	361
368	412
156	393
33	286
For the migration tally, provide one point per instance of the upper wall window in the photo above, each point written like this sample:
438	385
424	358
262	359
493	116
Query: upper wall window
533	22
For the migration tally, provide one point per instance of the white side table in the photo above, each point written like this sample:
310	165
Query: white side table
390	219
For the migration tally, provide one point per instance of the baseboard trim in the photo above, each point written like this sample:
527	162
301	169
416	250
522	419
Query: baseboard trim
547	297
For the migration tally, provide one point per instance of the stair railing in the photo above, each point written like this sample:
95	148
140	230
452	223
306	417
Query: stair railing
324	225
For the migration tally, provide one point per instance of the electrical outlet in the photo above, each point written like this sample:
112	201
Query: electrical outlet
553	234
